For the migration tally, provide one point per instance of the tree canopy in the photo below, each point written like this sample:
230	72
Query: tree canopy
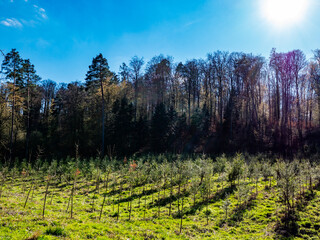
226	102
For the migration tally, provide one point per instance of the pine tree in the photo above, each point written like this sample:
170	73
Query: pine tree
97	74
12	68
29	79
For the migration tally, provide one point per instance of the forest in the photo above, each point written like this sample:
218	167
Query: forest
225	147
225	103
161	119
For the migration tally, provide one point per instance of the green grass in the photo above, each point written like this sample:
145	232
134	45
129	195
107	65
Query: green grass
255	219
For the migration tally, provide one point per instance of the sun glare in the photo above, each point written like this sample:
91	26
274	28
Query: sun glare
284	13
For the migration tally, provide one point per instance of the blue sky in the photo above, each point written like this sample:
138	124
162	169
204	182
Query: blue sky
61	37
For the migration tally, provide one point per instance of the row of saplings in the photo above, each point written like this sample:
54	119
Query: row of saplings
167	179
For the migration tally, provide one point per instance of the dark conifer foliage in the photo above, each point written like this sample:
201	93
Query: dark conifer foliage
12	68
96	76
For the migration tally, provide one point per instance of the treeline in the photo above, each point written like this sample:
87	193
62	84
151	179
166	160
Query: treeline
227	102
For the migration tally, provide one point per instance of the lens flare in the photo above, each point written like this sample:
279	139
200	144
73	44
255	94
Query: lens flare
284	13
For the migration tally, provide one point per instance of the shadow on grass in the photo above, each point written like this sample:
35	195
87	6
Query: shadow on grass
135	195
164	201
238	213
288	226
304	199
219	195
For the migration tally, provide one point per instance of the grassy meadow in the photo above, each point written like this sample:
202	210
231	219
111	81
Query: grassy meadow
161	197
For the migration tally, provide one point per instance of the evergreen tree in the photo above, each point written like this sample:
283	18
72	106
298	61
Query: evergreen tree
123	125
95	77
159	129
29	79
12	68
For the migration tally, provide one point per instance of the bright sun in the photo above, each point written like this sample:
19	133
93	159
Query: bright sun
284	13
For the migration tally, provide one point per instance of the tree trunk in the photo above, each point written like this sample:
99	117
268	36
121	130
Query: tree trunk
45	198
28	120
12	116
102	118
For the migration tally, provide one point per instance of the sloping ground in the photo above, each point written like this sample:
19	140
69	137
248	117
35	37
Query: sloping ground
254	219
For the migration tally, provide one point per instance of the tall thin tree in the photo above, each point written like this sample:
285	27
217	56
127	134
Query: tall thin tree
11	67
97	74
